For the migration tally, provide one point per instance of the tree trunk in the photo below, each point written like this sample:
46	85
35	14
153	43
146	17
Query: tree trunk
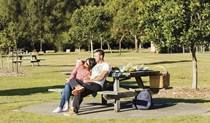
204	49
136	43
16	58
140	50
1	63
91	45
183	49
120	44
60	49
40	45
32	43
195	69
12	61
101	42
119	47
109	48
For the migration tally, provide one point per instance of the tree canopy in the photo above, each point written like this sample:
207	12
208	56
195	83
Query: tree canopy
63	23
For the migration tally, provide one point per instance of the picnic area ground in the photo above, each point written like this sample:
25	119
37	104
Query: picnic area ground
25	97
94	110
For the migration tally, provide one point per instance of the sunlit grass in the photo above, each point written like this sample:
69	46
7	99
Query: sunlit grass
30	88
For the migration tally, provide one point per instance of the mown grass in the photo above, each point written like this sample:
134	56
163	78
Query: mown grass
31	88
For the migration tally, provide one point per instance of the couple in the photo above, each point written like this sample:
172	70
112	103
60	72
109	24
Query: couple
81	84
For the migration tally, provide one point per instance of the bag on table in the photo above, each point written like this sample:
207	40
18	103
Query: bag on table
143	101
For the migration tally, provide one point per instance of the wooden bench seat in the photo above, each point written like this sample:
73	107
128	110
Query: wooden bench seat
117	95
17	61
36	61
55	89
33	61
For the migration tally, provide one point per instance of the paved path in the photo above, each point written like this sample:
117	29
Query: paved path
94	110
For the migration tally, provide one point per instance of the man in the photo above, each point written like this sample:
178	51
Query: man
92	85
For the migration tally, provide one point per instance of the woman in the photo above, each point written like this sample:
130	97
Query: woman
81	71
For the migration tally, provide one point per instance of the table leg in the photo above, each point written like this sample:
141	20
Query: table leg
139	82
117	101
103	100
21	57
117	105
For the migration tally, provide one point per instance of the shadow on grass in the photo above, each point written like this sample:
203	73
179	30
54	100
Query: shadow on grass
51	54
167	62
27	91
61	65
48	65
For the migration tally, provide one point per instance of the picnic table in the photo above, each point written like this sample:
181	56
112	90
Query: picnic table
116	94
118	77
31	57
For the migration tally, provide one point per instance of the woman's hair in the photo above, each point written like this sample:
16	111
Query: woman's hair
92	63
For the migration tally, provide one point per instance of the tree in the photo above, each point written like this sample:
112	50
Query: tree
89	22
62	40
171	23
123	21
12	35
45	21
134	26
120	29
126	20
196	30
8	41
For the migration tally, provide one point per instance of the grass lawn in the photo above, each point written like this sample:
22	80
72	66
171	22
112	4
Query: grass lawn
31	86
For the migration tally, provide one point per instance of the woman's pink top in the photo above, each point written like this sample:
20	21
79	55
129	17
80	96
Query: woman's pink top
80	72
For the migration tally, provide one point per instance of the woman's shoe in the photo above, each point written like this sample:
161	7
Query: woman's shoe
66	107
57	110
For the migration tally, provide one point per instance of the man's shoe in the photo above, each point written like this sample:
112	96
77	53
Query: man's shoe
70	113
57	110
78	89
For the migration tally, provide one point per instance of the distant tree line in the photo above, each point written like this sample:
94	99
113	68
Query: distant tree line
68	24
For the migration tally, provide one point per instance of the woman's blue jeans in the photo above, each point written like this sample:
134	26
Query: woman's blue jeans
65	95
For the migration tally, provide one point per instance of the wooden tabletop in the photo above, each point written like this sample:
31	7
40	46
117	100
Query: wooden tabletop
134	73
125	74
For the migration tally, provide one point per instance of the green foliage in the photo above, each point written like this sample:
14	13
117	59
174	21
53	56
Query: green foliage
3	41
8	37
176	23
167	23
88	23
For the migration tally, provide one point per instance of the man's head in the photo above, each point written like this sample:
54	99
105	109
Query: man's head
99	56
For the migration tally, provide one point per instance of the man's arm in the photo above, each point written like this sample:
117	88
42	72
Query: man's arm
98	78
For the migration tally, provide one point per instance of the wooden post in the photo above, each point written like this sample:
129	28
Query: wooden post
16	53
1	62
12	62
117	101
